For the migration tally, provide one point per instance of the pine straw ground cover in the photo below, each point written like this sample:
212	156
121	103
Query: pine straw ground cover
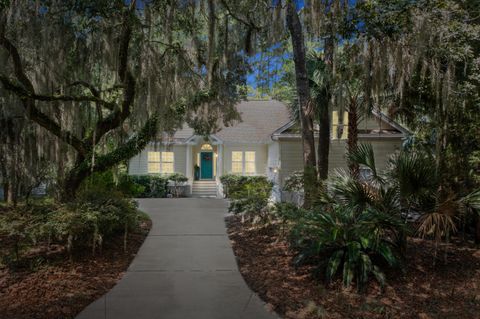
61	288
424	291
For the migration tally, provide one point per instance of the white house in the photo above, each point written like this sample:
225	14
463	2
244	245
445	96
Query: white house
266	142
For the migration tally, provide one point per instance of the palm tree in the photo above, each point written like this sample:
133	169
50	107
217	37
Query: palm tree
343	90
320	82
352	94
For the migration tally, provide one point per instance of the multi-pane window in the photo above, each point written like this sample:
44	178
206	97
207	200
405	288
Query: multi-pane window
161	162
250	168
339	129
243	163
237	162
154	162
167	163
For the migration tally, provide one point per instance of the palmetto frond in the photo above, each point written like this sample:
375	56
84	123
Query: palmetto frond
350	191
364	155
350	241
414	176
471	202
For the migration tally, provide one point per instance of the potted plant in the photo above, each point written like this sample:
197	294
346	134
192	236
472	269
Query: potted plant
196	172
178	180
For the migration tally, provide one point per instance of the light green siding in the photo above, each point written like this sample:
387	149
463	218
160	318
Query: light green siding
291	154
383	149
373	123
336	156
138	165
291	158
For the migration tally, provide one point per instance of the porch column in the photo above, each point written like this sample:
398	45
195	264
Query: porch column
219	161
219	169
189	168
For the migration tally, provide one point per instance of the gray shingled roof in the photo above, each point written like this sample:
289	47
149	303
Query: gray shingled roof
259	120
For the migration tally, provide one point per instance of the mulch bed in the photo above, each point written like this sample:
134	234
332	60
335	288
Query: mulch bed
59	287
449	290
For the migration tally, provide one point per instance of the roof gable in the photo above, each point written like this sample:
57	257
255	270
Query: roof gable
378	124
259	120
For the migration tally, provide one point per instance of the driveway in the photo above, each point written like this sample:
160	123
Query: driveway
184	269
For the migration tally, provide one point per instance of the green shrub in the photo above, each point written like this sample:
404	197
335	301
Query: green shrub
287	212
343	240
94	217
230	183
104	180
19	228
294	182
154	186
128	186
234	185
249	195
108	181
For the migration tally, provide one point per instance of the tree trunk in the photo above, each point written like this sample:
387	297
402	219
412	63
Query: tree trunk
84	167
72	183
477	230
324	115
305	109
12	141
5	191
353	136
211	41
11	195
440	146
323	142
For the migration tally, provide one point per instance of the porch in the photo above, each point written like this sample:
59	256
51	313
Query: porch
204	165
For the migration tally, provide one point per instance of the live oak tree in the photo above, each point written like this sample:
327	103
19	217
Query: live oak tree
103	77
84	145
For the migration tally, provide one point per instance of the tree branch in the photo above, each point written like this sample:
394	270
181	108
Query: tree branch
238	18
127	150
17	64
211	41
124	43
89	86
138	142
128	81
23	93
43	120
28	103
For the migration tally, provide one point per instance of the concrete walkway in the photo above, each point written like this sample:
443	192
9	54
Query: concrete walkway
184	269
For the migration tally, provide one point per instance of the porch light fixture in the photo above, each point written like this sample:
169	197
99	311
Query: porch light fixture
206	147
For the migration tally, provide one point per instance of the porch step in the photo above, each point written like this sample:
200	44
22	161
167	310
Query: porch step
204	189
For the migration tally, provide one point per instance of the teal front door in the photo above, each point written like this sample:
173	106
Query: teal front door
206	165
